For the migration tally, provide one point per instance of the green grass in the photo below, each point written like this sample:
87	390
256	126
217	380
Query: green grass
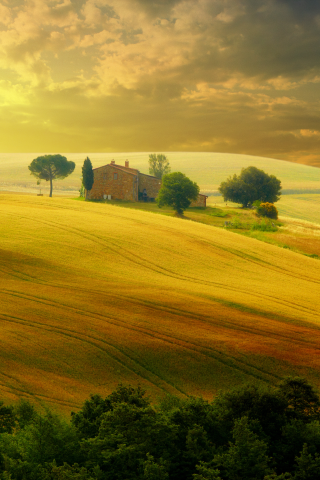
265	226
302	206
217	212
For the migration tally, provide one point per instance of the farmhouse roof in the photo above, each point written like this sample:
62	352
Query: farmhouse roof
131	171
146	175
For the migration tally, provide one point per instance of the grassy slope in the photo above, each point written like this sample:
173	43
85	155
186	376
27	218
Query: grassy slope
302	206
297	234
94	294
306	207
207	169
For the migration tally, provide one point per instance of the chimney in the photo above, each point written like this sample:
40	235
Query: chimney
112	162
126	163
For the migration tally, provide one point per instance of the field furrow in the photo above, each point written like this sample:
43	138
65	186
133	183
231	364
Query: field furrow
92	295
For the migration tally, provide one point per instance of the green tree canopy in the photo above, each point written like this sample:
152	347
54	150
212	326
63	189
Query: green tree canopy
87	175
252	184
51	167
177	191
253	432
158	165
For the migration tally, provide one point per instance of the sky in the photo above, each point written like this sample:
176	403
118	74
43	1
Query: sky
233	76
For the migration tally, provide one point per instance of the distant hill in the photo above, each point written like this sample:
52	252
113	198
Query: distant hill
94	294
207	169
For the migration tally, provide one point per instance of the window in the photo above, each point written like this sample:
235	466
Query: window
115	176
104	176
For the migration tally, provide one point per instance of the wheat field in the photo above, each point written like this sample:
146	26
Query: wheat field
94	294
303	206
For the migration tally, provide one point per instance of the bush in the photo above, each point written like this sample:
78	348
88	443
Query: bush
264	226
267	210
217	212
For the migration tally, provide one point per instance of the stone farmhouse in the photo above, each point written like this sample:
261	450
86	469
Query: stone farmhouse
117	182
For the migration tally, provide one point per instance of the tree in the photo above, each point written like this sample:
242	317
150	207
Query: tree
88	420
246	458
87	175
177	191
51	167
308	465
302	400
252	184
153	470
158	165
7	418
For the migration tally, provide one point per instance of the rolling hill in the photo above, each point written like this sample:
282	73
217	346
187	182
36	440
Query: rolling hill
93	294
207	169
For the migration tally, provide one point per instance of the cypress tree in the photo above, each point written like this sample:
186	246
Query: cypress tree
87	175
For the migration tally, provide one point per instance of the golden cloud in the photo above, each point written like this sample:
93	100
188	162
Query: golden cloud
229	75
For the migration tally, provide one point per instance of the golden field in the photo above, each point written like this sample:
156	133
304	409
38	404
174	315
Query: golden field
94	294
303	206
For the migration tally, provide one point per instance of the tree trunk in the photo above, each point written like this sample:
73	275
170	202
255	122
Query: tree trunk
50	187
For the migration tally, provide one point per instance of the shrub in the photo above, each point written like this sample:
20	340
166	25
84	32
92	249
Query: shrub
264	226
216	212
267	210
236	223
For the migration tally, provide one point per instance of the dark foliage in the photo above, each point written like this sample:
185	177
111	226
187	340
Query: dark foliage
87	175
245	434
252	184
7	418
88	420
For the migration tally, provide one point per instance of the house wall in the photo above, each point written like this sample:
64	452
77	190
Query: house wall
200	202
151	184
126	186
122	188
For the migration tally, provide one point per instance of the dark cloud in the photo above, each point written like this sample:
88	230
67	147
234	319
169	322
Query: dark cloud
273	42
109	11
157	8
256	39
28	48
130	36
302	8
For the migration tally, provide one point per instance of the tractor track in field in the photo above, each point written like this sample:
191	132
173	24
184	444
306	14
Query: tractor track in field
22	391
211	243
138	366
141	262
254	330
94	341
226	360
222	357
128	255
